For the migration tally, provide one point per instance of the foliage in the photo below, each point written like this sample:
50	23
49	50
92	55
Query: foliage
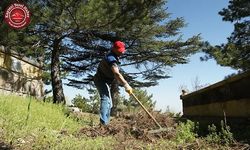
226	135
213	136
223	136
82	103
141	28
143	97
94	101
91	104
73	35
235	53
185	132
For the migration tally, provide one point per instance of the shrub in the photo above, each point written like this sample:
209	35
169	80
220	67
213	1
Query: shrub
185	132
224	136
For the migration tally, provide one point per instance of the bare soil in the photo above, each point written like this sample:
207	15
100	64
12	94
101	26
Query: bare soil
129	130
138	126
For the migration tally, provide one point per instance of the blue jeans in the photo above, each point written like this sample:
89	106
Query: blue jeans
106	101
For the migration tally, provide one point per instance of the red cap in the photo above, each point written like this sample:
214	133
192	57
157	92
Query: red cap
120	46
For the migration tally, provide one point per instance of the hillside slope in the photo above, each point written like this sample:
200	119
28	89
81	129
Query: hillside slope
26	123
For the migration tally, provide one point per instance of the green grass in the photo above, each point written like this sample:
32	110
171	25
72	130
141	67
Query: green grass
26	123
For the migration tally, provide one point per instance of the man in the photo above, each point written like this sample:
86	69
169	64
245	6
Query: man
107	72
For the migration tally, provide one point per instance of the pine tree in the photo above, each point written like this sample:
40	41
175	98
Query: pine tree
236	52
75	35
143	97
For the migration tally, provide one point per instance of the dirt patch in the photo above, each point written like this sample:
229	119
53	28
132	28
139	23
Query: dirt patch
135	132
136	127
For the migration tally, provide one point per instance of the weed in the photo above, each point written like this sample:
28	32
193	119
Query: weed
213	136
185	132
224	136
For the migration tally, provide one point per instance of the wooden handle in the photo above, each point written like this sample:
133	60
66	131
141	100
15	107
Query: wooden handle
146	110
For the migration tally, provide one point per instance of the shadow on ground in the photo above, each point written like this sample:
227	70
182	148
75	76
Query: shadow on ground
4	146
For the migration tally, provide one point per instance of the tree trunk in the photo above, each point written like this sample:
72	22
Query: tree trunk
58	95
115	97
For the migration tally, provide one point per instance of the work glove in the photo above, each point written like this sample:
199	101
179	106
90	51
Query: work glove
128	88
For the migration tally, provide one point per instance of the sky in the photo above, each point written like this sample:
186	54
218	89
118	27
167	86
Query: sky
202	18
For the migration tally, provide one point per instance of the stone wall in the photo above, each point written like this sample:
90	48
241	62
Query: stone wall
20	75
229	98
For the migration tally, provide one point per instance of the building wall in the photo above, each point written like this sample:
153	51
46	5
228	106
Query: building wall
228	98
19	75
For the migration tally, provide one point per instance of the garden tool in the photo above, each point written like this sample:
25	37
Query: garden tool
151	116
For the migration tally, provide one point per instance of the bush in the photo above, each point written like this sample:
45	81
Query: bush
224	136
213	136
185	132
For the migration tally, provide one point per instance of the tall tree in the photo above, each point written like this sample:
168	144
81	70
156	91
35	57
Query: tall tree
144	26
41	39
236	52
76	34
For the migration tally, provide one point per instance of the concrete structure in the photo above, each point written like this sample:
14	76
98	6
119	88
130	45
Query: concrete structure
229	99
20	75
